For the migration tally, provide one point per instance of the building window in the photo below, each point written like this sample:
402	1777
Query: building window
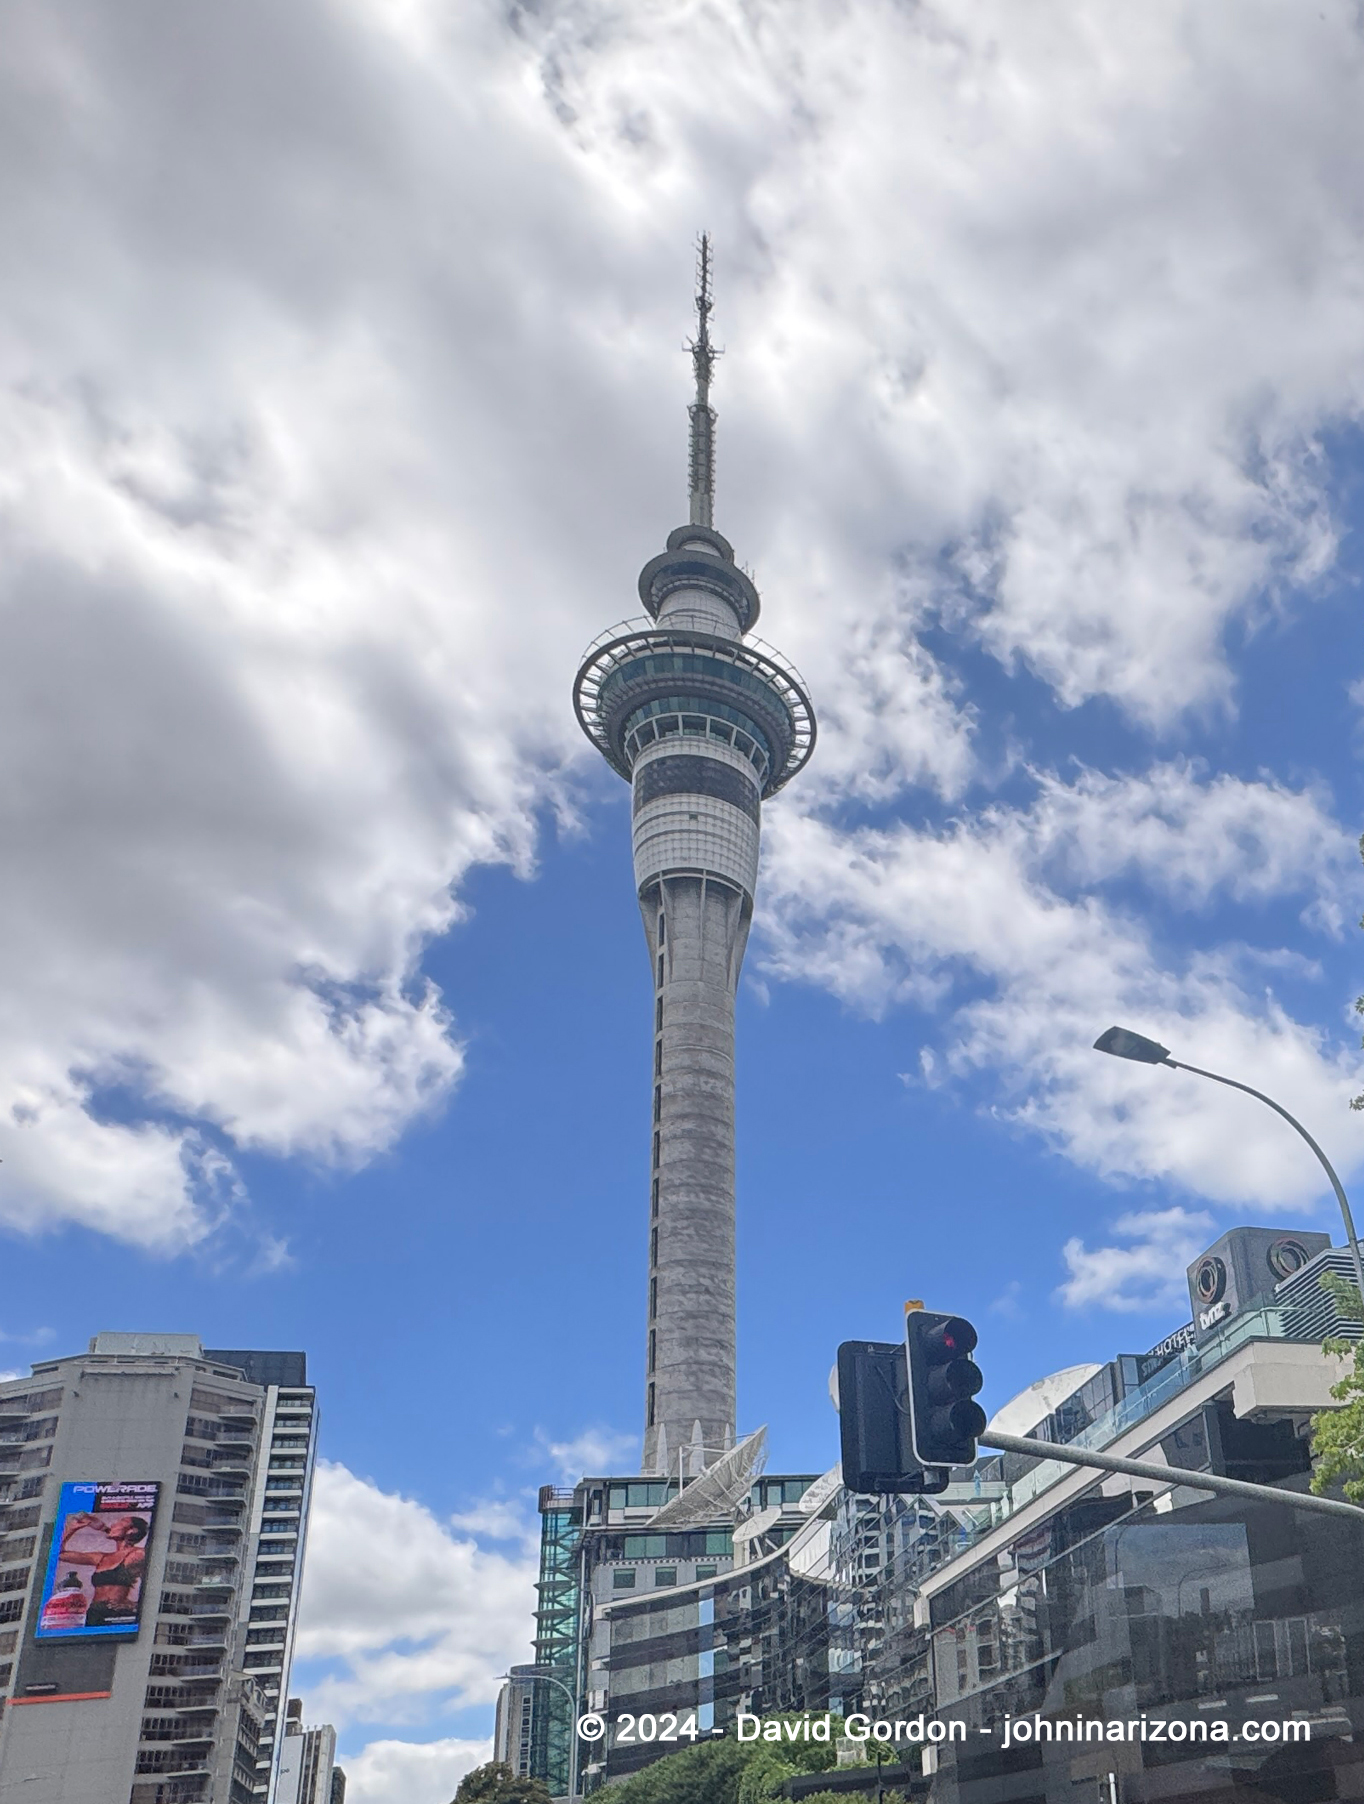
706	1572
665	1575
651	1406
658	1016
658	1113
662	928
658	1058
654	1198
660	970
655	1152
653	1297
653	1348
653	1246
623	1580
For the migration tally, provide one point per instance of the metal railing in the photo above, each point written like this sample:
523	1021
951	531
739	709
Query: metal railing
1136	1406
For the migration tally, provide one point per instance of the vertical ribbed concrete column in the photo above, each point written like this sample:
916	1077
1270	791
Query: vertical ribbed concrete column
696	928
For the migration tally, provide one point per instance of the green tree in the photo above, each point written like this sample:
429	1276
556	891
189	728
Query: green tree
1338	1434
496	1783
706	1774
727	1771
833	1797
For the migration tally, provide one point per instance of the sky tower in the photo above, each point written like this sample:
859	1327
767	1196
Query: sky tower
704	724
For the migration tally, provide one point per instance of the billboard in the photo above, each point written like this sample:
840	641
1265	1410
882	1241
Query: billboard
93	1585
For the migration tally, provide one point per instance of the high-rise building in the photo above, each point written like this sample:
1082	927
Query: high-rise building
704	723
514	1728
153	1506
278	1525
308	1773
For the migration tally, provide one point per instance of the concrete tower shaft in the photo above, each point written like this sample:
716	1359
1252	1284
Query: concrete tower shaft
704	723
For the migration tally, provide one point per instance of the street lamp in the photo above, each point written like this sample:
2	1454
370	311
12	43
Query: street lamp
548	1678
1124	1044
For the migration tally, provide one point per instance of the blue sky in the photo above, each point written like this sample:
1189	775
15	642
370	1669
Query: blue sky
343	399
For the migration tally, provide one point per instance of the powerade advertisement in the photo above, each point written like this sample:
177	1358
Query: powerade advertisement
93	1588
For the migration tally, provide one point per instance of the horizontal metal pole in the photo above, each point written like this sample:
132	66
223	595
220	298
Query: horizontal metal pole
1169	1475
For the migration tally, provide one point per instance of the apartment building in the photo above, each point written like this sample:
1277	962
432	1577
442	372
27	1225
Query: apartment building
153	1508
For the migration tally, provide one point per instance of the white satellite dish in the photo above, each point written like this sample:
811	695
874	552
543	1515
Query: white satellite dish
717	1494
1027	1409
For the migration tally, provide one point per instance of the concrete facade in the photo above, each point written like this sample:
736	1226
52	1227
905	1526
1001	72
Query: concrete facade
307	1762
514	1728
183	1712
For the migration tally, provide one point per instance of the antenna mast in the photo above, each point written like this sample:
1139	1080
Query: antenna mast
703	355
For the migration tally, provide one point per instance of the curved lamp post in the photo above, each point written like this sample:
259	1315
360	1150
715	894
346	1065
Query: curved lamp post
1124	1044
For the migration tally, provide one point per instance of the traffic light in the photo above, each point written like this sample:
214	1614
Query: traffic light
943	1379
873	1411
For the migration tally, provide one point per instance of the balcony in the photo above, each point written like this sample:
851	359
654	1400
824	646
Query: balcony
177	1791
177	1636
157	1760
223	1494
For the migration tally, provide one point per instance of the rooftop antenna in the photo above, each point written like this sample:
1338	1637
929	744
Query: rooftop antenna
703	355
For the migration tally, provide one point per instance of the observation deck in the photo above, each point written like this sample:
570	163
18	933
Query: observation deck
640	682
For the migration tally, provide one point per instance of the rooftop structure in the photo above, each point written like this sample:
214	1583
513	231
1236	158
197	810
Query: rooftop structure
705	724
308	1773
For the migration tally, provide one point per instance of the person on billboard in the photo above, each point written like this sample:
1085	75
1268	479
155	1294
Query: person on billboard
116	1571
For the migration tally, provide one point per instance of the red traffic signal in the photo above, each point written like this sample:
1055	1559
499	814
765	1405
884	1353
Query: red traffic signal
943	1378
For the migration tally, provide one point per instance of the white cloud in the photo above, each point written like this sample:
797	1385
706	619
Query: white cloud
1009	906
494	1520
1032	300
403	1619
1148	1272
323	444
411	1772
1009	1302
596	1451
1193	837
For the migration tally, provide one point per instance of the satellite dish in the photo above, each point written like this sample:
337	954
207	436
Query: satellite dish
716	1494
1026	1410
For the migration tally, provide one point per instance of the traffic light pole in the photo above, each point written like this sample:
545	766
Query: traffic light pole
1170	1475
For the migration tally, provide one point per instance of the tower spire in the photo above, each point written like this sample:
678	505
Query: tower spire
703	355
